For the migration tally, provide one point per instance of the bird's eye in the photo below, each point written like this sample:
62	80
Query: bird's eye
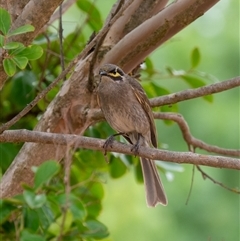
115	74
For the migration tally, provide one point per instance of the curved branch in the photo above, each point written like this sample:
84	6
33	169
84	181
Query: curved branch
192	141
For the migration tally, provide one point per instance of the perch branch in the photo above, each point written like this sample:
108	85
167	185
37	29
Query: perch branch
97	144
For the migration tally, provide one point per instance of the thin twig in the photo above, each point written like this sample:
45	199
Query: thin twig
205	175
67	168
60	32
191	186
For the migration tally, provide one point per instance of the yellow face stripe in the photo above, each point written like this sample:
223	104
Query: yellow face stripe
114	75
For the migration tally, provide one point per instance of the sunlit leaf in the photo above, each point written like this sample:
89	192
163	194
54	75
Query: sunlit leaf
21	62
5	21
62	224
195	58
14	52
34	200
32	52
23	29
9	66
208	98
11	45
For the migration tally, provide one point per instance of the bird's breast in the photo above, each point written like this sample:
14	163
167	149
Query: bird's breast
121	108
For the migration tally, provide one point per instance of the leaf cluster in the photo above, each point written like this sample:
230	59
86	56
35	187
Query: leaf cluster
47	212
15	54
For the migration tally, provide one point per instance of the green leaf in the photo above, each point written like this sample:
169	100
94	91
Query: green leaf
34	200
32	52
11	45
2	39
138	172
22	89
62	224
75	205
5	21
95	20
31	219
208	98
23	29
21	62
6	210
194	81
45	172
159	90
149	67
117	167
9	67
27	236
96	230
16	51
195	58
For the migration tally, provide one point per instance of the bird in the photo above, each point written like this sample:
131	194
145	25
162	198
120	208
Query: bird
127	110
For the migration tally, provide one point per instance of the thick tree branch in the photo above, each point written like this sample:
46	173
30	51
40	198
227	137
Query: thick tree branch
97	144
140	42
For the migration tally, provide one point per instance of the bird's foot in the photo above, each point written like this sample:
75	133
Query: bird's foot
135	149
109	142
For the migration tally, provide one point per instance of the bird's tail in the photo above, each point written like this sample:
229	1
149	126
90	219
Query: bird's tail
154	189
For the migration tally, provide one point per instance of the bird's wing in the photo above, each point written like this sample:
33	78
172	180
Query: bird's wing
143	100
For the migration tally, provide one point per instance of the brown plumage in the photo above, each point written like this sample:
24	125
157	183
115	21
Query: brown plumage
126	108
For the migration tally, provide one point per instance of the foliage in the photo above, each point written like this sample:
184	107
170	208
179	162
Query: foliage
47	212
15	53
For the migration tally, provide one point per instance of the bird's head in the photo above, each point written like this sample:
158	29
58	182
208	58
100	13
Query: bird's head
112	71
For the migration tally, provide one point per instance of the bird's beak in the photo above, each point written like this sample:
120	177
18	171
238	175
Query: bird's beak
102	72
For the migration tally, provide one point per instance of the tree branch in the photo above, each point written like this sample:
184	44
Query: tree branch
97	144
195	93
133	48
192	141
